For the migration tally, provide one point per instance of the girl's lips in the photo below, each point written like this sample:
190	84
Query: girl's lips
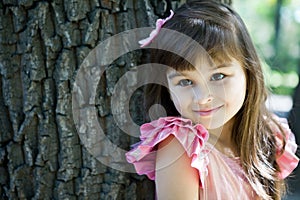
208	112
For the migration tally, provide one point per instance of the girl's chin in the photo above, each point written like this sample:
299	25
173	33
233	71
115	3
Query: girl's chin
211	125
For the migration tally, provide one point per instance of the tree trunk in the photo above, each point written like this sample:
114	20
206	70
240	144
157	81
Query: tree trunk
42	45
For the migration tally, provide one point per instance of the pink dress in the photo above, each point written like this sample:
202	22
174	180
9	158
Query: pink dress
221	177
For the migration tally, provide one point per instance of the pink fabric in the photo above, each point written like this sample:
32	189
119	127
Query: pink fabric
287	160
191	137
221	176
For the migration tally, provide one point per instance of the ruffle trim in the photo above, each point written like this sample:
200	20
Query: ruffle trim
286	159
192	138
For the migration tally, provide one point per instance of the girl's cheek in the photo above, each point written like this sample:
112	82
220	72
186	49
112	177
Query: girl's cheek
218	89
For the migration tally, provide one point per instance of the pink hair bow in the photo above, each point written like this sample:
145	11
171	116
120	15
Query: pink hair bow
154	33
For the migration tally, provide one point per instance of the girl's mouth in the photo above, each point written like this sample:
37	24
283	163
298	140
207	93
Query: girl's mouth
209	112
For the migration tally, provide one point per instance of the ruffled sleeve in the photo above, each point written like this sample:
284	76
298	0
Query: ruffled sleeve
192	138
286	159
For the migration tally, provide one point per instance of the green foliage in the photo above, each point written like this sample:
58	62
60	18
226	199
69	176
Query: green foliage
281	53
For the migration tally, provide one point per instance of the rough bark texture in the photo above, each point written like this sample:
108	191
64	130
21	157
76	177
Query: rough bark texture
42	44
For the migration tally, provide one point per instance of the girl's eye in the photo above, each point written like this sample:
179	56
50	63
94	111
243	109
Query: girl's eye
217	77
185	82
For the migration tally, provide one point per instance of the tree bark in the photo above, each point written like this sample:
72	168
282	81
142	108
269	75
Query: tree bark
42	45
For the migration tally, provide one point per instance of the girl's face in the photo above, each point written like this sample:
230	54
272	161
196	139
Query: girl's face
209	95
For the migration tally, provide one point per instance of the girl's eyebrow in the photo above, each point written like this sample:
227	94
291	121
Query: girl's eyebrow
174	74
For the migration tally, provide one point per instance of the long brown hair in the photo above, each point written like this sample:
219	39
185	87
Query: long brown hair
222	33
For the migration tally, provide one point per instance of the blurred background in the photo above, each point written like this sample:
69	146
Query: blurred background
275	28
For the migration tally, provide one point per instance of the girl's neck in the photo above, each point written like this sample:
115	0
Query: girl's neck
221	138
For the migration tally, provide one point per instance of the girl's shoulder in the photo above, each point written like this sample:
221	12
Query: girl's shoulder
191	137
286	146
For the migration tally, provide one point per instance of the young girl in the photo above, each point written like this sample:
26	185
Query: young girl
218	141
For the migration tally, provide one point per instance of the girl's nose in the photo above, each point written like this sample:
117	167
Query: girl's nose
202	94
